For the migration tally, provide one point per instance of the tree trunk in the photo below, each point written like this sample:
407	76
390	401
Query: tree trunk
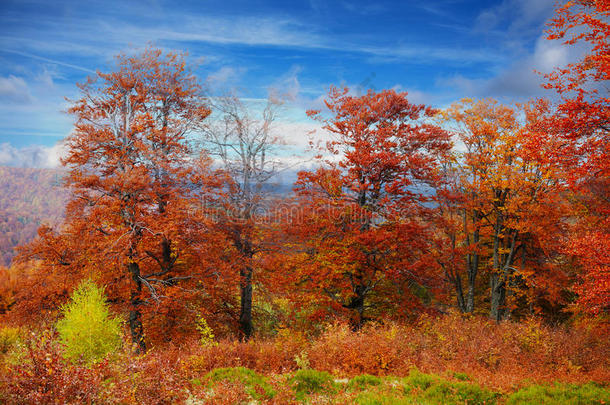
498	297
474	265
459	293
501	273
135	315
357	303
496	281
135	326
245	315
244	246
472	275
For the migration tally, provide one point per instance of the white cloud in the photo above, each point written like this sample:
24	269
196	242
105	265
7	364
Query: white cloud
519	80
14	89
287	87
518	15
30	156
298	134
47	76
415	96
225	76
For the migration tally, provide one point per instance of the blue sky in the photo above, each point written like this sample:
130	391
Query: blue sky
437	50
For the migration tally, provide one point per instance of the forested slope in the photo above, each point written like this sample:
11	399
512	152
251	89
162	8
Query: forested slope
28	197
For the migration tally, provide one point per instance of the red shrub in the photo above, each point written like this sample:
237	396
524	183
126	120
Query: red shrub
154	378
502	355
264	356
42	376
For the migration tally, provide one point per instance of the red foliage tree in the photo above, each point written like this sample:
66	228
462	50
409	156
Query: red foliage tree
129	223
583	115
582	122
363	212
501	211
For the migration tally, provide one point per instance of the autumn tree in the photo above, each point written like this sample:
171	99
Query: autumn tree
364	210
128	172
7	289
242	140
501	210
582	123
583	113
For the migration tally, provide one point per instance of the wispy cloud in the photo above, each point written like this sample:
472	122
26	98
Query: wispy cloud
225	76
521	79
418	54
105	35
14	89
30	156
514	17
48	60
438	50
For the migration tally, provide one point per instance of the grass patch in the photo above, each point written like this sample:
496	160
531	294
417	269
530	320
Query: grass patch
567	394
432	389
255	384
307	382
364	381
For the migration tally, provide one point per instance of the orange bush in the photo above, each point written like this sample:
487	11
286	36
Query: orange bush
264	356
502	356
42	376
497	355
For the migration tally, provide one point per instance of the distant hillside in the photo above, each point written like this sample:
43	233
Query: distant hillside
28	197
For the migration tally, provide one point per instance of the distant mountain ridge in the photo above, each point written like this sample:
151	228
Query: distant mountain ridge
28	198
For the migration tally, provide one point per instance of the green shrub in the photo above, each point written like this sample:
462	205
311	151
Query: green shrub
87	330
362	382
420	381
8	338
448	392
561	394
256	385
461	376
432	389
305	382
302	360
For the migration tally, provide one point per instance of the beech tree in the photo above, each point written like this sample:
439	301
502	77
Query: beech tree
244	144
582	123
128	161
583	114
501	206
367	203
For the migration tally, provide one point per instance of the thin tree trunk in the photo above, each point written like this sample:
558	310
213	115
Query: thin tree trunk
459	292
357	303
499	279
245	314
135	315
498	296
472	262
496	279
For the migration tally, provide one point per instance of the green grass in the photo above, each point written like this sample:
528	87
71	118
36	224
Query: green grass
433	389
564	394
256	385
308	382
312	386
363	382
